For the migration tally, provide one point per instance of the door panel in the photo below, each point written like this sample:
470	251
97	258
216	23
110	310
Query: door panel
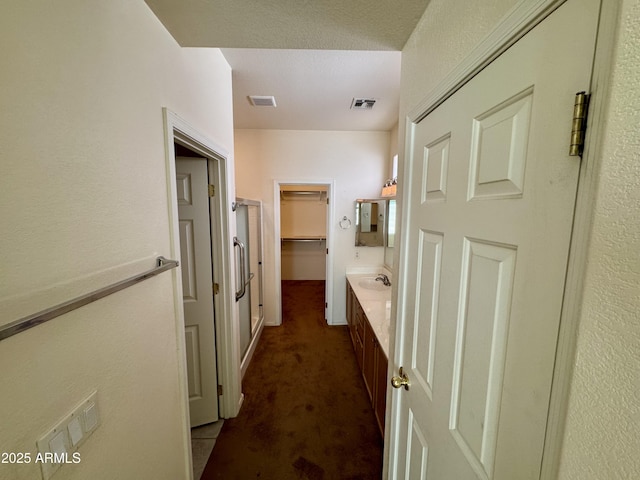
196	266
481	341
428	286
434	179
194	375
499	149
490	208
419	451
188	257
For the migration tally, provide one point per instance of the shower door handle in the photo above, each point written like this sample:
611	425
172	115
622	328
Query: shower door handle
243	280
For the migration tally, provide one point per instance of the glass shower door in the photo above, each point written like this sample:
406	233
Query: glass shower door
248	245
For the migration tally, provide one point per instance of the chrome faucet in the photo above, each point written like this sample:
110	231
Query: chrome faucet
384	279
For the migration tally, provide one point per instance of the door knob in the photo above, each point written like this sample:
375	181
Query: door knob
401	381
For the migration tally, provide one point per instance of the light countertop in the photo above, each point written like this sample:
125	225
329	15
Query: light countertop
376	305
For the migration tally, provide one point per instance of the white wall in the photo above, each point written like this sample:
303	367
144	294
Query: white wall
601	438
83	190
303	260
356	161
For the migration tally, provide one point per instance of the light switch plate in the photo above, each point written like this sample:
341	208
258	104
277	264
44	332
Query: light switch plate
75	431
91	417
56	447
57	444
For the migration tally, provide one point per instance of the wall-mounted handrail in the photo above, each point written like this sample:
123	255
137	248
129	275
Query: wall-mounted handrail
6	331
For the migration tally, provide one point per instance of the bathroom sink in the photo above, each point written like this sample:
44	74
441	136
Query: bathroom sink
370	283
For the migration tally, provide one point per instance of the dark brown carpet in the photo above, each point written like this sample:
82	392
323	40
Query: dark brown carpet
306	413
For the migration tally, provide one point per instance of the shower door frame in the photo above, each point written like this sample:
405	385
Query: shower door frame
255	334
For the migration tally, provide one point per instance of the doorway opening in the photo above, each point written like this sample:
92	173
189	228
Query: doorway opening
303	237
178	135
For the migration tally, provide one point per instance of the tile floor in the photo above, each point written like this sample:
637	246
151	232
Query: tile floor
202	441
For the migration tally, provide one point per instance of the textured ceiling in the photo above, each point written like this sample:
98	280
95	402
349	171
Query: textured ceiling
291	24
314	56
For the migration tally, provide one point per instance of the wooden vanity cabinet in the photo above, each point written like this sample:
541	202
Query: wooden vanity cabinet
372	361
374	371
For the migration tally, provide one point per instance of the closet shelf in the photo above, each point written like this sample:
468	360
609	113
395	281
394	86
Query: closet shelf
303	239
303	194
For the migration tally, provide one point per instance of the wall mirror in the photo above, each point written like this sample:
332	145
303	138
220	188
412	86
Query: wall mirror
370	222
390	233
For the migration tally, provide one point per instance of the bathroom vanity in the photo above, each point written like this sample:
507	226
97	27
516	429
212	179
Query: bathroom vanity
368	312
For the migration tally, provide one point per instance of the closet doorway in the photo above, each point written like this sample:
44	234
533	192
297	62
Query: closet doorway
303	231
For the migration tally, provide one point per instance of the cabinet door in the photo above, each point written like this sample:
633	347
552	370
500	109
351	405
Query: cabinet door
381	386
351	313
359	349
359	333
361	319
349	302
369	363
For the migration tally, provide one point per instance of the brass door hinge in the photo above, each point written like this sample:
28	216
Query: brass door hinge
579	125
216	288
212	190
219	390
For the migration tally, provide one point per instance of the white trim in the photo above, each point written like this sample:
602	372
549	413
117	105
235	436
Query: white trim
526	15
330	184
227	346
582	224
174	248
257	332
523	17
277	255
393	427
252	347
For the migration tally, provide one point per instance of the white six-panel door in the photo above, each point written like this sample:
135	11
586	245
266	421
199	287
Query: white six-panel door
490	209
195	262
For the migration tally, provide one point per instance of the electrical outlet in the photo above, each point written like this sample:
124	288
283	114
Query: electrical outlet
59	445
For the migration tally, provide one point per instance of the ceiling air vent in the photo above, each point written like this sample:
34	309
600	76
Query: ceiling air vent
363	103
262	101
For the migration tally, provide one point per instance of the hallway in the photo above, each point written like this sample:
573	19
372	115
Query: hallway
306	413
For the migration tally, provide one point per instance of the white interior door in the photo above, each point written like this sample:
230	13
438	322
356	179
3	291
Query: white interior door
197	286
490	208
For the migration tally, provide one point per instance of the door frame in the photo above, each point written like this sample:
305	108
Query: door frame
329	183
521	19
227	345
